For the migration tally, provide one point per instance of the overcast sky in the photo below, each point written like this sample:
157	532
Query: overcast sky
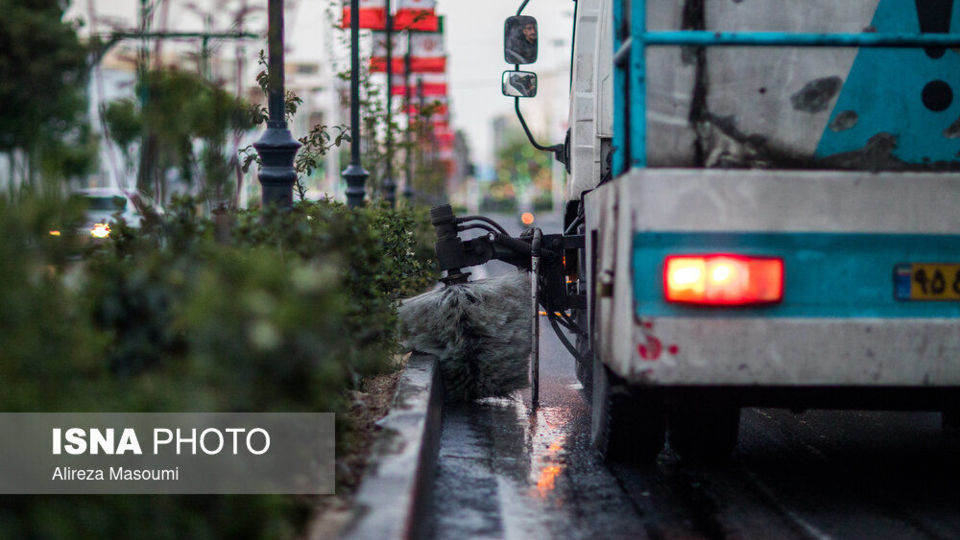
475	47
474	40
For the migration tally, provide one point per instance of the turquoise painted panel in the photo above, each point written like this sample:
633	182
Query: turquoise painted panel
907	93
826	275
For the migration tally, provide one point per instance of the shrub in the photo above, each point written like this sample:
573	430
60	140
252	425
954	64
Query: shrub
283	312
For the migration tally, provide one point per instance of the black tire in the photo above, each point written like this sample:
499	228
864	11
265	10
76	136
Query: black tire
627	424
584	363
703	433
950	421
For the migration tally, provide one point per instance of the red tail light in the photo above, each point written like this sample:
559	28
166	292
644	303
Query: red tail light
727	280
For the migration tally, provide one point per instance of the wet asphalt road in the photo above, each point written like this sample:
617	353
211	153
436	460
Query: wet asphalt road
504	472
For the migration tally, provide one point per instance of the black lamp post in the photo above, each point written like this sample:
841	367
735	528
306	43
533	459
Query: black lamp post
355	175
389	183
276	147
408	157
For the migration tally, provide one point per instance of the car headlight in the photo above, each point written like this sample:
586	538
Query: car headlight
100	230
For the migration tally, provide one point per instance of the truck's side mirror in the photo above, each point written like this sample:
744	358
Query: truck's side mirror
519	84
520	40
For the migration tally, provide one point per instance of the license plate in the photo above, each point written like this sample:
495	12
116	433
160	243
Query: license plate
927	281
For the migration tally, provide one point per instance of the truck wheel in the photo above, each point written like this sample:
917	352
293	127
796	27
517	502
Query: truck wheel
584	363
705	433
950	421
627	423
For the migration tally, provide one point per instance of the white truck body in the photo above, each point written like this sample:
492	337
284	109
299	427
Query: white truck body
760	104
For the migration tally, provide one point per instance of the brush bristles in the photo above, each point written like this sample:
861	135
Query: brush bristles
479	331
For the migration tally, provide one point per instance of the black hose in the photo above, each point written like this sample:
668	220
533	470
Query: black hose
511	243
484	219
567	326
573	326
573	226
563	339
562	321
483	226
564	325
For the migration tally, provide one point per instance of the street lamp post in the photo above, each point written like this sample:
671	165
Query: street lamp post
408	156
389	183
276	147
421	128
355	175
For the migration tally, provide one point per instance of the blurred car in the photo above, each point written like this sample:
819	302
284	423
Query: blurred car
101	205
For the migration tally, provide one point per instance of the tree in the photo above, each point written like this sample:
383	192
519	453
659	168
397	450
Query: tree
182	108
518	162
43	103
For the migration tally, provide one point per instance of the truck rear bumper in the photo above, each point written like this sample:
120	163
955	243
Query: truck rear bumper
841	235
796	352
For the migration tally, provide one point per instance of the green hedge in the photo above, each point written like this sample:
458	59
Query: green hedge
249	313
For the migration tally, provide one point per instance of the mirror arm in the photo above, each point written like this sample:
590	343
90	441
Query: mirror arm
557	149
523	5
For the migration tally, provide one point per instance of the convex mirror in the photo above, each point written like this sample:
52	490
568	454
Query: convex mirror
520	40
519	83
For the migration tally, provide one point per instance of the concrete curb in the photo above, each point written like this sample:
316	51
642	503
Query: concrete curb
392	502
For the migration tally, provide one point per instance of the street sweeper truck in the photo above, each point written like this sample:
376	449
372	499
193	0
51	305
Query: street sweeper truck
763	210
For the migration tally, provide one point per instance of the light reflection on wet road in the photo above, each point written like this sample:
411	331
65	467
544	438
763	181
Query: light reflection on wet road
504	473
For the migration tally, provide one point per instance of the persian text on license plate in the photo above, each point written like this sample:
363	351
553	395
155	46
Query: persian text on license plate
927	281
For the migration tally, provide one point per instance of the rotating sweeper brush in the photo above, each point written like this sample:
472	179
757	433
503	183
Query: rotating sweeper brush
485	332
